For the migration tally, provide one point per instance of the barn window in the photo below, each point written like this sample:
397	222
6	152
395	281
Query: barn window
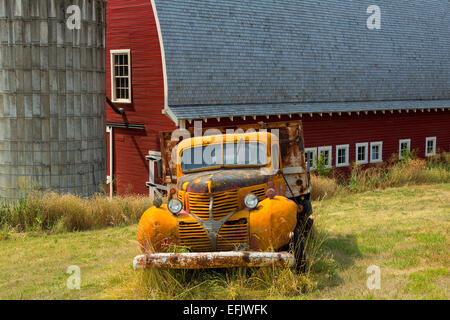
121	76
430	148
324	154
404	148
376	152
342	155
362	153
311	156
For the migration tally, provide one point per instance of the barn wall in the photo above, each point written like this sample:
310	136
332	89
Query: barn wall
389	128
131	25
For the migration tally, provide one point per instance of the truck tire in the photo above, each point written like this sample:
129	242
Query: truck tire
298	245
304	218
298	242
307	209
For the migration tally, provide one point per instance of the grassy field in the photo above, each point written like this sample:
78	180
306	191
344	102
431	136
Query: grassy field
404	231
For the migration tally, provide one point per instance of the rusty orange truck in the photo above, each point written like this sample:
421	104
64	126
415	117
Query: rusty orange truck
234	200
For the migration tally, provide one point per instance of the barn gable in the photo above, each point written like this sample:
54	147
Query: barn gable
261	57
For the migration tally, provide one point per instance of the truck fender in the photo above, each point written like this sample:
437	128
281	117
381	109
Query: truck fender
272	223
157	230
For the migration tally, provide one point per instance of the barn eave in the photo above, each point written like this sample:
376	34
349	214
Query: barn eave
244	111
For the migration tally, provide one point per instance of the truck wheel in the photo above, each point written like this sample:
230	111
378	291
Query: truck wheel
298	246
304	219
307	209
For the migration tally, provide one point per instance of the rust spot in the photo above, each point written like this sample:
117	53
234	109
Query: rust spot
174	259
253	242
214	260
224	180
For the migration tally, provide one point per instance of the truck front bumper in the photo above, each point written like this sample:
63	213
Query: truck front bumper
212	260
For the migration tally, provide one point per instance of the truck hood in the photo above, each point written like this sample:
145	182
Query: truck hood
221	180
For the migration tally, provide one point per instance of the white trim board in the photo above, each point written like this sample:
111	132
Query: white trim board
112	53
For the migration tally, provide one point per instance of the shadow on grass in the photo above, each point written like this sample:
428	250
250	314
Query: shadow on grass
344	248
337	253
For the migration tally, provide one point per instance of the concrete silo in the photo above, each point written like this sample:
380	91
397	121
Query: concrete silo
52	96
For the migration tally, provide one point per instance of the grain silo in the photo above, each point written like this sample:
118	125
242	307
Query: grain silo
52	94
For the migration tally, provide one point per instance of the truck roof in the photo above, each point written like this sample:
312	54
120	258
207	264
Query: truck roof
262	136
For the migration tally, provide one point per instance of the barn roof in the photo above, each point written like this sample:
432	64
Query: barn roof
259	57
238	110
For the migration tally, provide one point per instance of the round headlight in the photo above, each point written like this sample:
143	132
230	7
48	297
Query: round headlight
251	201
175	206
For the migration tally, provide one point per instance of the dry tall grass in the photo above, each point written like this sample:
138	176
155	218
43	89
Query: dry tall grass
38	211
393	173
324	188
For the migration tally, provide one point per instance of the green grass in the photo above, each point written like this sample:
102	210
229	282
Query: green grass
404	231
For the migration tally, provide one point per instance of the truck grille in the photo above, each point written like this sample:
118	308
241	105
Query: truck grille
233	236
260	193
224	203
181	195
193	236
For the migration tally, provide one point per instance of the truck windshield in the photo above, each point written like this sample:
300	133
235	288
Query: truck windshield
224	155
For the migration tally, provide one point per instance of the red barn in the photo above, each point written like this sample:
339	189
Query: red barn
363	93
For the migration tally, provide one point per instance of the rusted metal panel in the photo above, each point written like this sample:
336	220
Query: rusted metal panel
222	180
293	159
212	260
169	168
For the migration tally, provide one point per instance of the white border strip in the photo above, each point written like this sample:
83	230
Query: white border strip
163	60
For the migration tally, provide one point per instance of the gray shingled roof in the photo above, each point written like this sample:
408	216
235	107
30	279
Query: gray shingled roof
216	111
240	56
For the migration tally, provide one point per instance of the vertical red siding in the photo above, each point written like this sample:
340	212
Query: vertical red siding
131	25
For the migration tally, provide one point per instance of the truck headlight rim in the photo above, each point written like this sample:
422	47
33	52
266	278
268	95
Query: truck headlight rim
251	201
175	206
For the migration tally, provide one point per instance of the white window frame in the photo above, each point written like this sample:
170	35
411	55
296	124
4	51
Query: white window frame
314	151
330	152
434	140
113	82
402	141
380	159
345	147
366	156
